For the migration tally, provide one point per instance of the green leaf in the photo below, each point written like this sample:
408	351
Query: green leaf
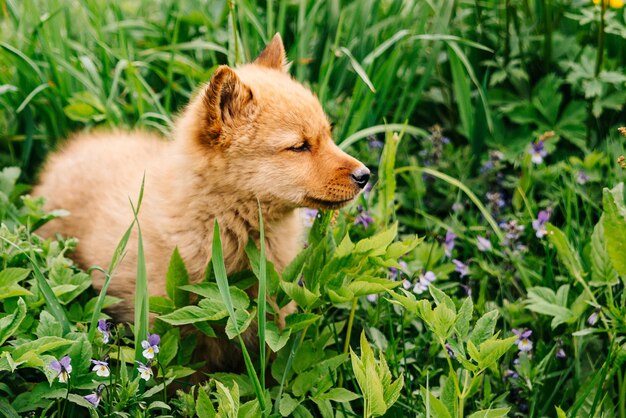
298	321
161	305
300	294
211	291
48	326
39	346
484	328
491	413
463	318
544	301
602	271
437	408
177	276
9	279
273	337
190	315
443	321
204	407
338	395
10	323
287	405
243	320
565	251
614	226
491	350
168	347
377	245
560	413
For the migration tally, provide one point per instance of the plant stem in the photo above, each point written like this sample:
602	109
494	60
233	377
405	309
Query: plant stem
346	344
600	55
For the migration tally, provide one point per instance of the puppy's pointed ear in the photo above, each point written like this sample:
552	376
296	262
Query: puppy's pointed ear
273	56
226	99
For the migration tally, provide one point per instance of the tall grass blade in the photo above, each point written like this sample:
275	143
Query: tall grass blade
219	269
262	297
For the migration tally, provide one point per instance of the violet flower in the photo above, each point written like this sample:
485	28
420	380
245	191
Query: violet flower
593	318
151	346
63	368
101	368
538	152
93	399
364	219
424	281
449	242
582	177
461	267
308	216
372	297
539	224
523	342
145	372
395	273
104	327
483	244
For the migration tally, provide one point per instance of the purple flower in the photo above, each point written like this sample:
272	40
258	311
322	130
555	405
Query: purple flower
406	284
560	353
372	298
101	368
424	281
523	342
482	243
103	327
593	318
145	372
510	374
539	224
537	152
461	267
364	219
395	273
450	351
449	242
63	368
151	346
308	216
495	199
513	231
582	177
93	399
457	207
486	167
374	143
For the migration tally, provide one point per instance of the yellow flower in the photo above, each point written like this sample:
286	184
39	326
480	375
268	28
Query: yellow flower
616	4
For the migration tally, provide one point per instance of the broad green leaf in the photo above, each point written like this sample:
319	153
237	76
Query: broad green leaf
491	413
568	256
491	350
48	326
544	301
274	338
190	315
9	279
377	245
10	323
463	318
443	321
211	291
614	226
602	271
300	294
338	395
299	321
287	405
177	276
39	346
161	305
436	408
441	298
484	328
204	406
243	319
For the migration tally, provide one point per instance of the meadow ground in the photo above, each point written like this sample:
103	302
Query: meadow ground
484	271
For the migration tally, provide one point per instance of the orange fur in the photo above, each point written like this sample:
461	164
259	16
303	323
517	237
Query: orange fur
233	144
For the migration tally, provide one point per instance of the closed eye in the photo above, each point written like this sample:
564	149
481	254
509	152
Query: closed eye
303	147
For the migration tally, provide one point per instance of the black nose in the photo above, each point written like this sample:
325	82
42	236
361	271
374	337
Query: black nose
361	176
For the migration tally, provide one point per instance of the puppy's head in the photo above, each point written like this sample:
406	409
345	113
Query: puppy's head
271	138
